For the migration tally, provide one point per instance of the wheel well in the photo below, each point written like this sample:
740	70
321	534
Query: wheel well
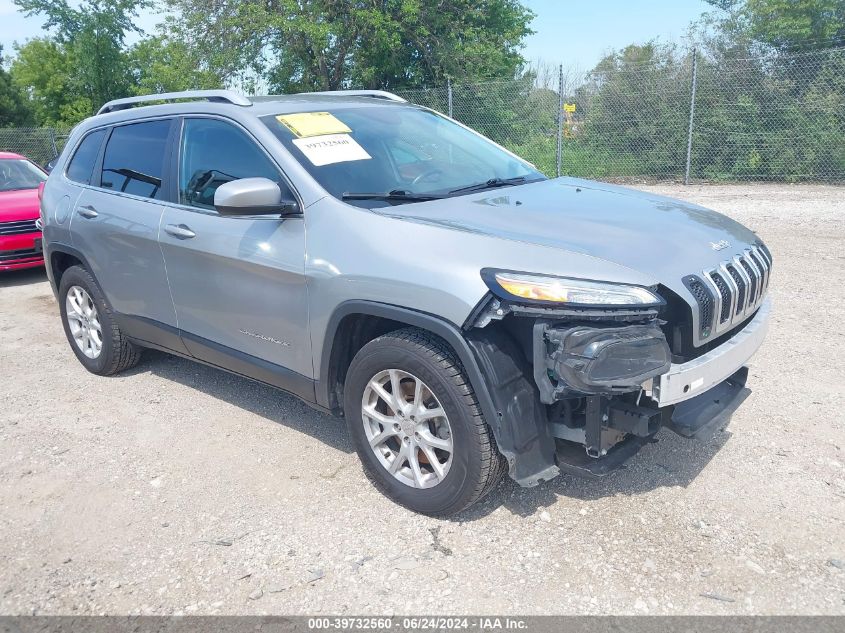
60	262
353	332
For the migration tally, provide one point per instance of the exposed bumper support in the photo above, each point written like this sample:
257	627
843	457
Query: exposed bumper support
697	417
687	380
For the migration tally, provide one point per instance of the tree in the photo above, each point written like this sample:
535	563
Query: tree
14	110
790	25
326	45
92	37
164	65
43	69
636	103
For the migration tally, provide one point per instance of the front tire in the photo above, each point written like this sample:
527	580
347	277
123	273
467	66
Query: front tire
417	426
90	327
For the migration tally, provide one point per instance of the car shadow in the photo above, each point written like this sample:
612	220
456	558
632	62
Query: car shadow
255	397
667	462
11	278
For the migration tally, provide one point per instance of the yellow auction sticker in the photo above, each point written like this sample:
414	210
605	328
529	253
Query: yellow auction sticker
305	124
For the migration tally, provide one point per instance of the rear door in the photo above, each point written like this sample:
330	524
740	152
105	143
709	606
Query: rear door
115	224
238	282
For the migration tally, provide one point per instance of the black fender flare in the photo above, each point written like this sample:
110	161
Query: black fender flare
50	249
506	395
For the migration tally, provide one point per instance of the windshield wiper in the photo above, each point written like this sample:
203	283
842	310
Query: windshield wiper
491	184
397	195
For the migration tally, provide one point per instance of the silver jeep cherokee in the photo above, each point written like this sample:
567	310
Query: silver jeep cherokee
464	313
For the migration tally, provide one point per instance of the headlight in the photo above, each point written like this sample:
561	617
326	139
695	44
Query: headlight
571	292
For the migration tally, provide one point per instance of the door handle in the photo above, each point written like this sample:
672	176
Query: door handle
87	212
180	230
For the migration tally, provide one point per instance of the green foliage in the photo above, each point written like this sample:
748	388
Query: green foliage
789	25
770	101
763	111
637	102
760	117
14	110
299	45
165	65
797	25
88	43
42	69
770	93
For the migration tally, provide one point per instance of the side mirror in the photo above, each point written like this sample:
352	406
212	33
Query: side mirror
49	166
253	196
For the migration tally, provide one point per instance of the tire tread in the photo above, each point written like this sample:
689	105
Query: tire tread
493	465
125	354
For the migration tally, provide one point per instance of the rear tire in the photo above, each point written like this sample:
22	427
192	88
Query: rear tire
468	464
90	327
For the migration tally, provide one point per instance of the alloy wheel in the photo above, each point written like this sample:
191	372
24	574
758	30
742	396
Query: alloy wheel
84	321
407	428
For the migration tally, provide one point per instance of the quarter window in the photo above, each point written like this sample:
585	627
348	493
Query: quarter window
134	159
82	164
215	152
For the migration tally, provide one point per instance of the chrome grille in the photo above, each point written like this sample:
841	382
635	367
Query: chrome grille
741	286
724	295
736	288
704	298
749	272
18	227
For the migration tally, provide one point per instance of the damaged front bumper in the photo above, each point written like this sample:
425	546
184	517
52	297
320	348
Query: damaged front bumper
687	380
591	387
626	387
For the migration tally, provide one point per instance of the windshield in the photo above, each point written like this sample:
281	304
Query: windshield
19	174
395	150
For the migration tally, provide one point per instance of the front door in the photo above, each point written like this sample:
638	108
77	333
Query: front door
238	283
115	222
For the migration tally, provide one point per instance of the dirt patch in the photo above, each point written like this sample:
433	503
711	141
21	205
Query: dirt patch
176	488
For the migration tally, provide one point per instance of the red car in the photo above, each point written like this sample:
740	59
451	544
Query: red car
20	232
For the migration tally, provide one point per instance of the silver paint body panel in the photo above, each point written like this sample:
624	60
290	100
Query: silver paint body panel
282	279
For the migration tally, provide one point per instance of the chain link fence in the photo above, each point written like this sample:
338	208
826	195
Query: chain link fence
39	144
682	118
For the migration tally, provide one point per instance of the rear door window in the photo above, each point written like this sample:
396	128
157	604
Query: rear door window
82	164
134	160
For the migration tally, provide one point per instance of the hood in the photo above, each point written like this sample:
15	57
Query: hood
21	204
661	237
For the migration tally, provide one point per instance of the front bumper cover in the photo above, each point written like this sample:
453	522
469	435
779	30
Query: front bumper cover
687	380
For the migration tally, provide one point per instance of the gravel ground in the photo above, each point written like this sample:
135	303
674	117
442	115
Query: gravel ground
175	488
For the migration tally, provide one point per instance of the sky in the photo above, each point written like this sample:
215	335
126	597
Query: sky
574	32
578	33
